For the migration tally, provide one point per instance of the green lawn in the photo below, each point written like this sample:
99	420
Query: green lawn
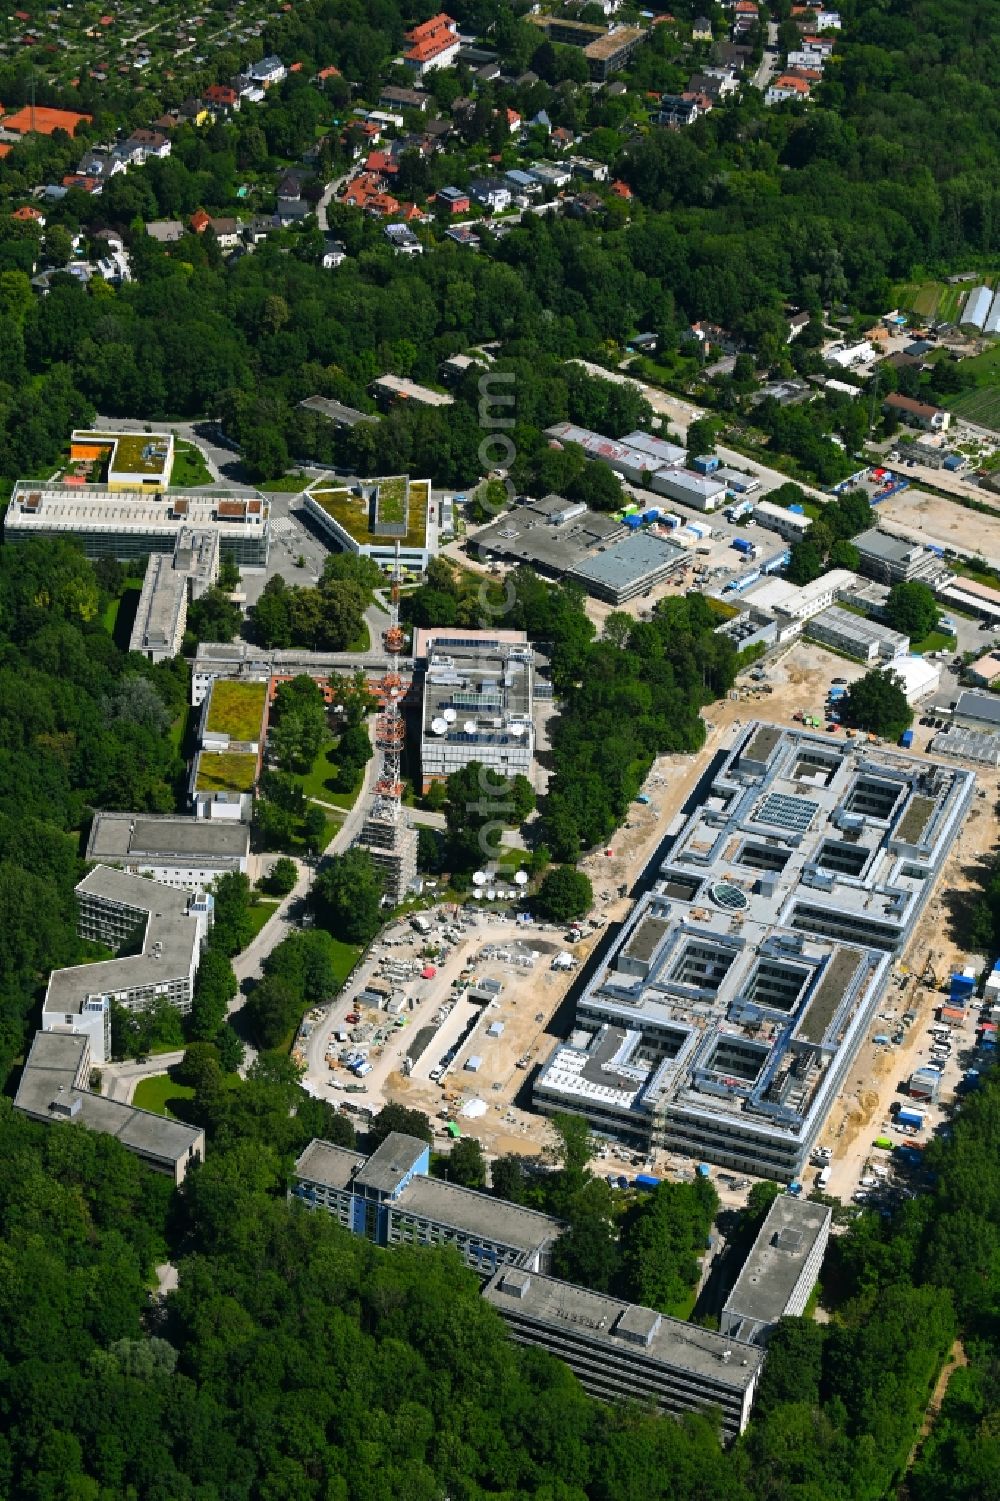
288	484
190	469
316	782
159	1095
936	641
260	912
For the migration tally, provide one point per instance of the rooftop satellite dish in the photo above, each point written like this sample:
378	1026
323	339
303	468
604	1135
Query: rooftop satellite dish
491	894
469	727
450	716
521	878
479	893
518	729
439	726
479	879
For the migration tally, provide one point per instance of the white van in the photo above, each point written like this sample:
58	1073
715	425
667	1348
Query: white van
823	1178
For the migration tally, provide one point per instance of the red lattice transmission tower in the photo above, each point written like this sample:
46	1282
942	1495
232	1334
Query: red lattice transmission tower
389	727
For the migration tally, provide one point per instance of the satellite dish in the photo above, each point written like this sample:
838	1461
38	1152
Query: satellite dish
439	726
491	895
479	893
518	729
521	878
469	727
449	716
479	879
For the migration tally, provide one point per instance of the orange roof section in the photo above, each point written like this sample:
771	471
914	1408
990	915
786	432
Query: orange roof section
44	121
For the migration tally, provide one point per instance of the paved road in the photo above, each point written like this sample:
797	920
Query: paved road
769	62
329	192
680	414
120	1079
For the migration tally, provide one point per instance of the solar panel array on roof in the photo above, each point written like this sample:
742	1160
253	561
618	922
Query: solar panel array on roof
794	813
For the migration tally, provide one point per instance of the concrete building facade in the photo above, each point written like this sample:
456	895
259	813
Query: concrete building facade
186	852
169	586
477	702
867	641
126	525
727	1011
117	909
621	1352
390	1199
891	560
781	1270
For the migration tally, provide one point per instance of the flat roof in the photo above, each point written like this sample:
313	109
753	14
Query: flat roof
858	628
625	1327
169	926
982	706
50	1074
889	549
783	1246
120	836
606	47
49	506
477	1213
390	1162
236	708
630	561
322	1162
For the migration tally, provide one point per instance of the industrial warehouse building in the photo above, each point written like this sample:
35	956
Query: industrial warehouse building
125	525
629	568
552	534
477	702
724	1017
891	560
781	1270
867	641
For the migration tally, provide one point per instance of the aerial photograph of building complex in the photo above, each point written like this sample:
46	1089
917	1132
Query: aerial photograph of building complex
500	754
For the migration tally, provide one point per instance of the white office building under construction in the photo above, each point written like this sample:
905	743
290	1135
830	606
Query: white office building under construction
724	1018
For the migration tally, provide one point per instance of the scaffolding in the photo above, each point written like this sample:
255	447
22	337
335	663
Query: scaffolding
390	842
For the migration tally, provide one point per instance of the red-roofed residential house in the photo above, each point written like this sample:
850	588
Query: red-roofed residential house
786	87
434	44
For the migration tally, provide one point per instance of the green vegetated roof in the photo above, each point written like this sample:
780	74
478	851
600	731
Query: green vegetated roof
353	512
392	499
236	709
135	453
226	771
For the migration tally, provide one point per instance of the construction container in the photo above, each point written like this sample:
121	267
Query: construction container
909	1117
743	545
906	739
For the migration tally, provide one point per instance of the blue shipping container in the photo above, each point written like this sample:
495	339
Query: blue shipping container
650	515
646	1180
633	523
906	739
742	544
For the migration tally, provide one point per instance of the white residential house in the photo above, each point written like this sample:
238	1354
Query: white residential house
491	193
828	20
268	71
334	255
403	240
805	59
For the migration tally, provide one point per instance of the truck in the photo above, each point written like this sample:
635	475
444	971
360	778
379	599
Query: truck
420	924
906	739
906	1116
823	1178
739	510
361	1069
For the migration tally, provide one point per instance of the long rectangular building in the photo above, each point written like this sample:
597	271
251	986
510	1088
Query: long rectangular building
729	1008
55	1087
866	640
781	1270
185	852
477	701
131	524
621	1352
390	1199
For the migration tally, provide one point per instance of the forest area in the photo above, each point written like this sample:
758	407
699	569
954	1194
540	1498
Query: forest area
734	220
